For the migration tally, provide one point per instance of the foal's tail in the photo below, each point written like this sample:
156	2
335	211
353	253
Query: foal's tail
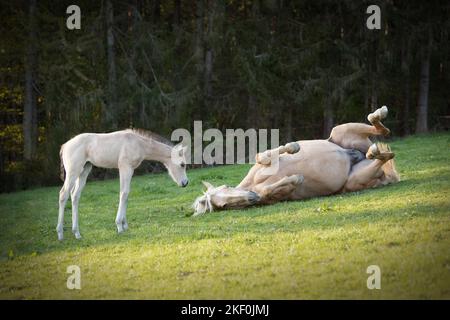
61	164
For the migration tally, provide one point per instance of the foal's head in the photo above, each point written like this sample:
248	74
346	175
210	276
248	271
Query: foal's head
177	165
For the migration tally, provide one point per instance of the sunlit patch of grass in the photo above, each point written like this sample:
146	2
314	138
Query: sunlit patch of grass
317	248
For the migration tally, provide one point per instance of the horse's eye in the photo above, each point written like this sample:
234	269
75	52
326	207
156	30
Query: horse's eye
183	165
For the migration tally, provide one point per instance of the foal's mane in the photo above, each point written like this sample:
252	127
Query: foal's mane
151	135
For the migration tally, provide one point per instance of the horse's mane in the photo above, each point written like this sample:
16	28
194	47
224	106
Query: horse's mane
151	135
389	167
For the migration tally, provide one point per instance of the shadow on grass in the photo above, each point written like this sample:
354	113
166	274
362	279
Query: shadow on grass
258	221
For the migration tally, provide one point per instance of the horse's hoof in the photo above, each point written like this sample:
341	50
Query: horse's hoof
77	235
292	147
263	158
60	237
378	115
383	112
372	152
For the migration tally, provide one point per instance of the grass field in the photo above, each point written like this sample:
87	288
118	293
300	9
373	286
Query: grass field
319	248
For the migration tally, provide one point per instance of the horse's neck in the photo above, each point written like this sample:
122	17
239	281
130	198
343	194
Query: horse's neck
157	151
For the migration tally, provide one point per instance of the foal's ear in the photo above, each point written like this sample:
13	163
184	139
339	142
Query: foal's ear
208	185
179	149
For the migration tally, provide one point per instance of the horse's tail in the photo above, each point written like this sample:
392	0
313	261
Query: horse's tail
61	163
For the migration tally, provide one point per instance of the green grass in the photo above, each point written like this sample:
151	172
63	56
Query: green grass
318	248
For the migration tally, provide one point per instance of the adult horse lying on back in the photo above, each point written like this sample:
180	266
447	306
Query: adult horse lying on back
124	150
312	168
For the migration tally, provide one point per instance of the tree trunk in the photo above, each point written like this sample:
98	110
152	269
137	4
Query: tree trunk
406	58
199	53
177	25
111	113
30	125
252	120
374	96
422	107
289	123
213	12
132	21
156	11
327	117
366	99
252	113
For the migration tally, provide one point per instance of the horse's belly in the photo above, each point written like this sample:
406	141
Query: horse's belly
324	170
313	188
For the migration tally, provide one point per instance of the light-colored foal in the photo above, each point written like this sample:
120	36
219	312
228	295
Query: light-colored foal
124	150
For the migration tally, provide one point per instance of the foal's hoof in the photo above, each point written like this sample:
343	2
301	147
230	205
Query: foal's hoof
60	237
120	229
378	115
77	235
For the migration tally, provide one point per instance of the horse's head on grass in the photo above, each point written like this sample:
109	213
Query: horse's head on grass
223	197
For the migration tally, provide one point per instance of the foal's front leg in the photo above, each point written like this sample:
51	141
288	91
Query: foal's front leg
126	173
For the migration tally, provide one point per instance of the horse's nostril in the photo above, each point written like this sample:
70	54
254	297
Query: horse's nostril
184	183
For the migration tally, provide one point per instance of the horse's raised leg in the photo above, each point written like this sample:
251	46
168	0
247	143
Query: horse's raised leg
63	197
265	158
356	135
369	173
126	173
75	195
375	119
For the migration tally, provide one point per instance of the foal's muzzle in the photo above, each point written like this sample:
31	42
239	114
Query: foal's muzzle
184	183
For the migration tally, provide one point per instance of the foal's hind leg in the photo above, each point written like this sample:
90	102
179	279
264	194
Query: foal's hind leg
75	195
71	177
